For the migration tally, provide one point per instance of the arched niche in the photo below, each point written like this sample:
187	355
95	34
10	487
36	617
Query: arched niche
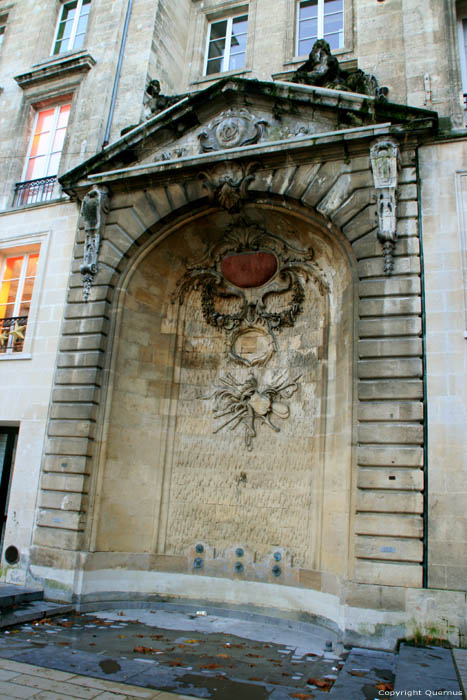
169	475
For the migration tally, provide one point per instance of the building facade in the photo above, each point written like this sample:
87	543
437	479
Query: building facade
234	306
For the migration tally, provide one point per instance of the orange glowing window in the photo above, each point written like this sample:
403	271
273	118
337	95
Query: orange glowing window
18	277
47	141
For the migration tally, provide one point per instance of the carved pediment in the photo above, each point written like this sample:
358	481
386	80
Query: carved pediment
236	114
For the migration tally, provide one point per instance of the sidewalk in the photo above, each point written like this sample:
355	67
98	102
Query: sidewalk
19	681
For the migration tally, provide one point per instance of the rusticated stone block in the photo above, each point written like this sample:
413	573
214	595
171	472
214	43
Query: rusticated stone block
399	347
358	200
75	411
377	456
74	483
405	478
403	367
57	537
60	519
66	464
389	502
86	358
85	325
400	286
359	595
374	267
374	327
71	428
84	310
391	410
388	548
390	306
301	180
385	524
389	573
69	343
77	376
390	389
404	433
67	446
72	394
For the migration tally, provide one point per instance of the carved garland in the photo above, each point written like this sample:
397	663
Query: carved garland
93	210
385	163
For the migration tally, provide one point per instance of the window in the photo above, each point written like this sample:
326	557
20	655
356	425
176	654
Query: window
72	24
44	154
462	25
18	275
319	19
3	20
226	48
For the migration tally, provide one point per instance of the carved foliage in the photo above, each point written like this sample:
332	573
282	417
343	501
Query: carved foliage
93	209
247	403
385	163
228	184
231	129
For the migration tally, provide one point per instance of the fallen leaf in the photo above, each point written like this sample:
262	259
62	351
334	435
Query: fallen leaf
92	644
325	684
252	665
255	656
233	646
157	636
222	656
210	667
192	641
65	623
384	686
254	678
302	696
181	646
360	674
64	644
175	662
145	650
286	674
122	636
141	636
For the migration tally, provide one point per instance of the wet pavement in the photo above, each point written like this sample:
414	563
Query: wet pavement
180	652
201	654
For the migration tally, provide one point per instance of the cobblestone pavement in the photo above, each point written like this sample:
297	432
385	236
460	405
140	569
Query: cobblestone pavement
19	681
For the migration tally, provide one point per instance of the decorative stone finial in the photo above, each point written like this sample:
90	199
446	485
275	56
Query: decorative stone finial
93	209
385	163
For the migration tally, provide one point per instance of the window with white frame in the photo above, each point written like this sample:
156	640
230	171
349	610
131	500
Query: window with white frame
44	153
72	24
319	19
18	273
226	48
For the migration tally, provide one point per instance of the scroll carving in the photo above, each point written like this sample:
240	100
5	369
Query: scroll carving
228	184
385	163
93	210
250	264
231	129
247	403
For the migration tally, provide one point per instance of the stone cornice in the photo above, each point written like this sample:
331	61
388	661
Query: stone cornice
57	67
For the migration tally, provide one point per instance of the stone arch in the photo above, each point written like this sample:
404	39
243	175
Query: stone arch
339	191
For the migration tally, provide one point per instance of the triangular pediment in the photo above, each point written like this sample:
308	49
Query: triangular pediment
236	115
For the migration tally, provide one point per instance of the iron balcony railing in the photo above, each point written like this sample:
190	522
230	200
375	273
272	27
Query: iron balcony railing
12	333
34	191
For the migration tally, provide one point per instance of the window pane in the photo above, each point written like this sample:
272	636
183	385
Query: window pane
37	168
216	48
240	25
12	268
7	310
53	164
304	47
10	291
40	144
32	265
45	120
333	6
308	9
27	289
24	310
58	140
214	66
308	29
238	43
236	61
63	116
218	30
335	41
332	24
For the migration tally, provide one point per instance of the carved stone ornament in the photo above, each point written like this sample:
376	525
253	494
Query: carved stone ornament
232	129
247	403
323	70
385	163
245	269
93	210
228	184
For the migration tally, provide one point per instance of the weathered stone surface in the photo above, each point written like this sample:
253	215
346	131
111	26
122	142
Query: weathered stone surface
389	548
391	410
400	347
388	573
390	478
388	455
390	389
389	502
384	524
374	369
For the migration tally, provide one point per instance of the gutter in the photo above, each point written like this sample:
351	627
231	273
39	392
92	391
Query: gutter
117	74
425	397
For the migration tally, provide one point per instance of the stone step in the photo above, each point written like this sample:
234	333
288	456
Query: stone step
430	670
34	610
363	671
11	594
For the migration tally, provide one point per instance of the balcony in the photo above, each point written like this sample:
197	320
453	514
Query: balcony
12	333
34	191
